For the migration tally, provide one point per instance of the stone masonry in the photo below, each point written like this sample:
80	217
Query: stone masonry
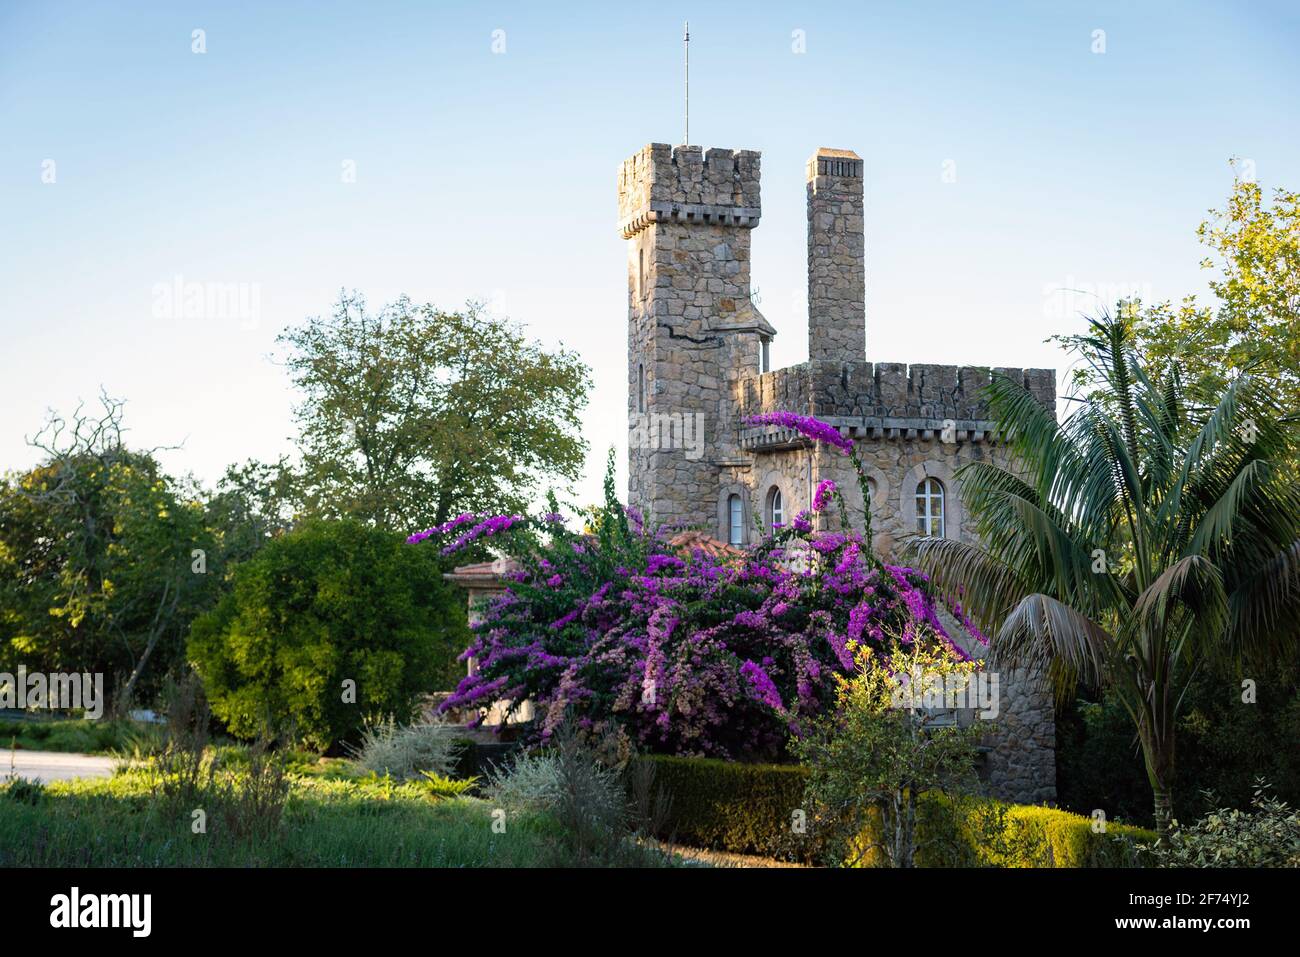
696	370
837	318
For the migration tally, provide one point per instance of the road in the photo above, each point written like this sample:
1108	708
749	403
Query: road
54	766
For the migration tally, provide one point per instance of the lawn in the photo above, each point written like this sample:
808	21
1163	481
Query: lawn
330	820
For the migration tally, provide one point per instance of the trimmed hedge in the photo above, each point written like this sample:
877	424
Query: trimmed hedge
981	832
745	808
750	809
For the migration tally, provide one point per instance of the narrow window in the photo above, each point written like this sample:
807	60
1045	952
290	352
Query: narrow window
640	388
735	520
775	508
929	508
640	273
765	362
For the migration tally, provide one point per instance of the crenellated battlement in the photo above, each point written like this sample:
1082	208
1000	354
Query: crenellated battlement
888	400
663	183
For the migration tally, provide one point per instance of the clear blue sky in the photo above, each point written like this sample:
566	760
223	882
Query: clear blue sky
492	176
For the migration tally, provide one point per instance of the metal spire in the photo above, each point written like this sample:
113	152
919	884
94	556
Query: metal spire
686	48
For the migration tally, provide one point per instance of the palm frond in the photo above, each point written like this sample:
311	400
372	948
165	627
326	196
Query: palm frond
1043	633
988	588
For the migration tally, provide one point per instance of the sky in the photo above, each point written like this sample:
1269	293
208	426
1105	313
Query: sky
1023	163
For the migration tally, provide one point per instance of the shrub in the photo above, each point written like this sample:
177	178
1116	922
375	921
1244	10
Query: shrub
529	782
685	653
880	749
327	603
1224	745
440	786
987	833
745	808
243	794
585	797
1268	836
406	752
22	790
750	809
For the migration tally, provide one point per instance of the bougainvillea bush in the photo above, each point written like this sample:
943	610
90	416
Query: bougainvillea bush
682	651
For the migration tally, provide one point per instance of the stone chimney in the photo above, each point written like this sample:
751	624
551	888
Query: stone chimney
837	318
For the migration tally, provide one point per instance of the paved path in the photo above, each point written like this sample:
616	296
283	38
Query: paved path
53	765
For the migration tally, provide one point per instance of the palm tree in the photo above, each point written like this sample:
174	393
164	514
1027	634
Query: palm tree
1133	542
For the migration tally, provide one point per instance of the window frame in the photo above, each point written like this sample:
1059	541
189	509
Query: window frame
924	498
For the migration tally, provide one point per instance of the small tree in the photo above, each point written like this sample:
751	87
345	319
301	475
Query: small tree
887	741
326	626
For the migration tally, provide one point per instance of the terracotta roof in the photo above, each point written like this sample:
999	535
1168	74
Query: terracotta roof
482	574
694	540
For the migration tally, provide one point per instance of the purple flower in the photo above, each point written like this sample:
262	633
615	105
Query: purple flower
815	429
762	685
822	497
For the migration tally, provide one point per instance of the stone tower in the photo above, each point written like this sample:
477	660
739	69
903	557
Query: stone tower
693	332
837	320
697	370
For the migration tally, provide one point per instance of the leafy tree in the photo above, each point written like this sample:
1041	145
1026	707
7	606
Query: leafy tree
1224	742
1149	532
252	503
324	604
1256	321
880	749
100	551
414	415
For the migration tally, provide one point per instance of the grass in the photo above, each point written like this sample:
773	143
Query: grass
331	819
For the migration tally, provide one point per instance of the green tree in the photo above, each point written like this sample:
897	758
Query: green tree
1256	322
251	504
1147	533
326	626
875	754
414	415
101	558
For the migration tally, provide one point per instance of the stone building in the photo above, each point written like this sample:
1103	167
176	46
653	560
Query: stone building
698	367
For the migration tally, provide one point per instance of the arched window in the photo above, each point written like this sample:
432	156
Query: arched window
775	508
735	520
765	357
640	388
929	508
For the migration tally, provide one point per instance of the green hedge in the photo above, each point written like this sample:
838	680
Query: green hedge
979	832
745	808
750	809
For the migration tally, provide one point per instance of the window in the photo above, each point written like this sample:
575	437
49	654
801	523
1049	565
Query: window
735	520
775	508
640	273
640	388
765	360
929	508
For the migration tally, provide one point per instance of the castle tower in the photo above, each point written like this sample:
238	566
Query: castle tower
837	323
693	332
